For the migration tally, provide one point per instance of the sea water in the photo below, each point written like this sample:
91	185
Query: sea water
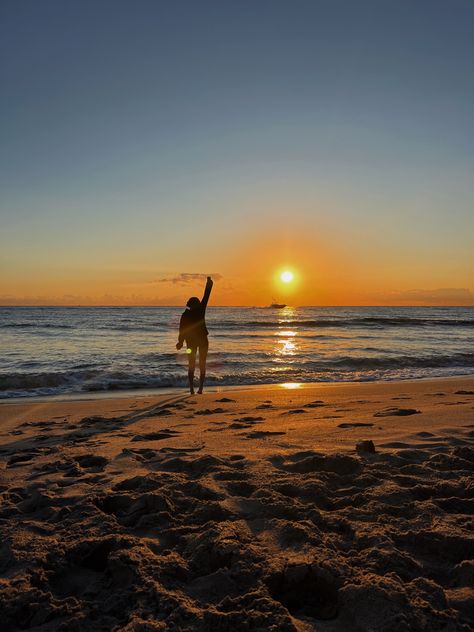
55	350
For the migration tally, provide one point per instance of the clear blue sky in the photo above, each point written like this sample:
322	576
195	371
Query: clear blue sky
132	131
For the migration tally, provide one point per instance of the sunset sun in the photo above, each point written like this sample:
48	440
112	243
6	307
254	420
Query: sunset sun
287	276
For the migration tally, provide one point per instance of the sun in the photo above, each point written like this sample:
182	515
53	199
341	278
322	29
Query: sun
287	276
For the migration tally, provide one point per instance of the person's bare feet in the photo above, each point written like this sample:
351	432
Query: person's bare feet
200	391
191	392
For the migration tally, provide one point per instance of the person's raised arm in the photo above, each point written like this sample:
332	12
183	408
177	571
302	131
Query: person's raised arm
207	292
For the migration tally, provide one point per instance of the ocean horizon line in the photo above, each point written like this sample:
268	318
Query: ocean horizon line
141	306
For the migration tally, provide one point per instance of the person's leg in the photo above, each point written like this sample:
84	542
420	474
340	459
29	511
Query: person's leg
191	367
203	347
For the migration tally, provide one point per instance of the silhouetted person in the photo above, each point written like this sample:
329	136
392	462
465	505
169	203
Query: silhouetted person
193	330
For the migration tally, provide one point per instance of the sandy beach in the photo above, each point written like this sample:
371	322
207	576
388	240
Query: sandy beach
241	510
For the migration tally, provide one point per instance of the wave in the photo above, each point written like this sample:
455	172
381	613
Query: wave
217	326
35	326
231	371
140	324
349	322
231	379
427	361
251	328
47	379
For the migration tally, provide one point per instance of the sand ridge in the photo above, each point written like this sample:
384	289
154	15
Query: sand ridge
248	510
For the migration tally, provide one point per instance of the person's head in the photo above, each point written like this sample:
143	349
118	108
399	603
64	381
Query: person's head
193	302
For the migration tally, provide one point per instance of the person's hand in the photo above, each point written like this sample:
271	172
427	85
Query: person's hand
179	345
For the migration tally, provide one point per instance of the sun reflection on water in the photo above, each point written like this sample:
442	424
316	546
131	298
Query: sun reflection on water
288	347
287	343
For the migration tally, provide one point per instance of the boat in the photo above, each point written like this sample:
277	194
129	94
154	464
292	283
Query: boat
276	305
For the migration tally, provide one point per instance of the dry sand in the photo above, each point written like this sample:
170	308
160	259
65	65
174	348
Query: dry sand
241	510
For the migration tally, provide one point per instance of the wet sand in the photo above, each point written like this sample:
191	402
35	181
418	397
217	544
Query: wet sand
241	510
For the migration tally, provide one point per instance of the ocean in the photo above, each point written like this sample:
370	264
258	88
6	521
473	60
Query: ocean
58	350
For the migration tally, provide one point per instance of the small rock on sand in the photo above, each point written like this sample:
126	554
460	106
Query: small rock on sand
365	447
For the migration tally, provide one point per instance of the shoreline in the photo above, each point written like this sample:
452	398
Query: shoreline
175	390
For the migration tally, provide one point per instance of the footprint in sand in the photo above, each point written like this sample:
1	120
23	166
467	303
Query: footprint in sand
354	425
245	422
91	461
305	588
34	500
316	404
240	488
140	454
263	407
310	461
295	411
182	450
453	403
92	421
260	434
163	412
209	411
464	393
142	483
225	400
44	424
166	433
20	459
397	412
77	439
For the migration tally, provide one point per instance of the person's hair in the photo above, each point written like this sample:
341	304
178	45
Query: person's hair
193	302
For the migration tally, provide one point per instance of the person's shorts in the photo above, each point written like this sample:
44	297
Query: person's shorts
202	344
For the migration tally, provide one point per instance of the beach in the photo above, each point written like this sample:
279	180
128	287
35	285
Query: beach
326	507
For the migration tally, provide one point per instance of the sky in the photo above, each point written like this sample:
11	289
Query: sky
147	144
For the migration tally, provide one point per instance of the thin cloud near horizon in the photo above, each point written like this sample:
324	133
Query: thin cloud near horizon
186	278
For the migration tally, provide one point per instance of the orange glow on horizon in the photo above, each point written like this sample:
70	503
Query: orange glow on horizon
296	267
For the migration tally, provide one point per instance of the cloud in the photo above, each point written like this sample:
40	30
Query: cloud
188	278
440	296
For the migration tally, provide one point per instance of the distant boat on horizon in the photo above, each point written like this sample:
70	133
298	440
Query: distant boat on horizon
276	305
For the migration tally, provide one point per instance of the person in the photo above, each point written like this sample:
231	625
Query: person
193	330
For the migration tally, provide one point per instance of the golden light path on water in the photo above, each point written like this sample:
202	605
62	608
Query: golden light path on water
287	344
